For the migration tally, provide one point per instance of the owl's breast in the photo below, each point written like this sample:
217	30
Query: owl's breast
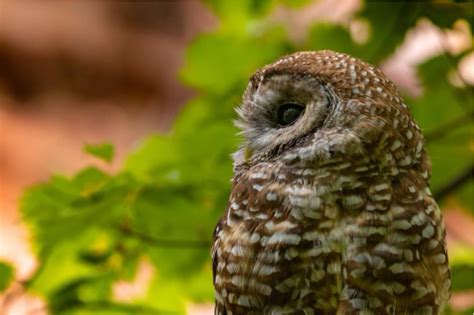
279	248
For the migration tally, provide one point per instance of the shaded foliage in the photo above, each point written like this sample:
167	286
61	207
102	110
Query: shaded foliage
6	275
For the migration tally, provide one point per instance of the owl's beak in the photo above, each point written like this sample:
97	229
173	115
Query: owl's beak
247	154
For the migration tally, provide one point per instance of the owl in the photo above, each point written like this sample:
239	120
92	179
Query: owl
330	210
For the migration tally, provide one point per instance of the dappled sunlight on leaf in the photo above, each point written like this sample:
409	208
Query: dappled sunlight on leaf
127	291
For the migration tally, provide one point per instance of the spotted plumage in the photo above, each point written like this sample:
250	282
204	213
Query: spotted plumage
330	210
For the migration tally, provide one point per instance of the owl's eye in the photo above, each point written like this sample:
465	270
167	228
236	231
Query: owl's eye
289	113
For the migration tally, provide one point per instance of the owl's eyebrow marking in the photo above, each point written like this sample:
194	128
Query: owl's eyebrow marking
257	79
332	102
330	95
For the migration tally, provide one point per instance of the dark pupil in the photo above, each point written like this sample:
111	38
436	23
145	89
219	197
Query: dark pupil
288	113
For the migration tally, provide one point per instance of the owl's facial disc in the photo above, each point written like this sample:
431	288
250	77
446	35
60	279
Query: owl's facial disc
281	110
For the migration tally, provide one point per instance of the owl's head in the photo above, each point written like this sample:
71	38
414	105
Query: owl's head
329	103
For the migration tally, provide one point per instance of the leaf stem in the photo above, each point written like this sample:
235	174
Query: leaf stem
444	129
455	183
164	243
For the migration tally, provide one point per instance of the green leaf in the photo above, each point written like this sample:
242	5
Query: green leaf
295	3
389	22
461	278
159	214
67	207
444	14
333	37
6	275
103	151
219	62
450	147
235	15
156	155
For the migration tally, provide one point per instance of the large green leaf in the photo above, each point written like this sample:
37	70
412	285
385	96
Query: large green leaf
104	151
449	147
217	63
6	275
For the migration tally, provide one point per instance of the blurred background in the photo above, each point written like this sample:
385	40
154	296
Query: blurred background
116	134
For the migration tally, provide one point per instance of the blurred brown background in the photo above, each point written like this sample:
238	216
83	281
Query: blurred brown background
64	66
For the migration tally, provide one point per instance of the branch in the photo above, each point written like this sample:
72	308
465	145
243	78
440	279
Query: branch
164	243
455	183
455	66
444	129
101	305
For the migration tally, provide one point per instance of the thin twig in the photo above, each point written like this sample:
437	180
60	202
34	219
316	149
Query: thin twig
453	64
444	129
455	183
165	243
114	307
